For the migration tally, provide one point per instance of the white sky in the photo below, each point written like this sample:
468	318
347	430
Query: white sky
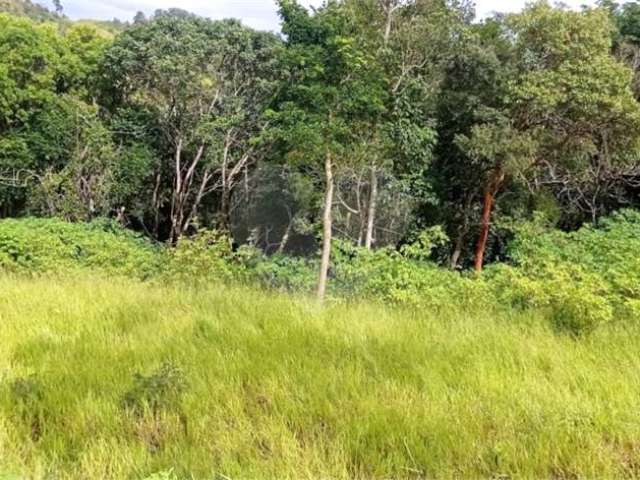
256	13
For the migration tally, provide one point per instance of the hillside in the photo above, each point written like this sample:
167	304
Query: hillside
28	9
119	379
40	13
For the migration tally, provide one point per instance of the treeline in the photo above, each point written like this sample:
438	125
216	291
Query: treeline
366	120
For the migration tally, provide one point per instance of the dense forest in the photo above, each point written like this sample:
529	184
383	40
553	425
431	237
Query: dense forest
369	122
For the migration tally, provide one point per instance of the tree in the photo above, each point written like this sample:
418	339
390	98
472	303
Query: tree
498	151
206	84
576	98
326	102
409	41
43	74
139	17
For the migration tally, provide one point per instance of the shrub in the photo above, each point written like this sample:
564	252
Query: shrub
206	256
280	272
162	390
404	277
577	301
585	278
50	245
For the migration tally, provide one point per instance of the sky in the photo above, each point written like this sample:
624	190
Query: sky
260	14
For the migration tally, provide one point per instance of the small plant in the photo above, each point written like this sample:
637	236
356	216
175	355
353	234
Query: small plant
424	244
162	390
579	313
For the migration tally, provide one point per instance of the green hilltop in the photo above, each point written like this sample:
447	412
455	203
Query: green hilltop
40	13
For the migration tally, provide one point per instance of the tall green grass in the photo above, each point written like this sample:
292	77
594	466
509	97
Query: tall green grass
123	379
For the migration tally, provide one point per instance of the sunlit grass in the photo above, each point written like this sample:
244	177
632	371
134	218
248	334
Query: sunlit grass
282	388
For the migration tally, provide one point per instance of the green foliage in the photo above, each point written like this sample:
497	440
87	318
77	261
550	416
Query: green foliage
567	74
584	279
282	272
575	301
579	281
207	256
425	242
608	251
405	277
41	246
332	89
29	9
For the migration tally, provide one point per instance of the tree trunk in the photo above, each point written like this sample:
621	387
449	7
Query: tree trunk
489	199
224	221
176	197
484	229
371	214
463	232
285	237
156	205
457	251
327	230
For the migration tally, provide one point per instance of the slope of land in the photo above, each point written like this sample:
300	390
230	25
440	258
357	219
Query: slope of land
115	378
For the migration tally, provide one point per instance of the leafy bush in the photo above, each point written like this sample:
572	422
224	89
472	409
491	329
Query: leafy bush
403	277
586	277
577	301
280	272
50	245
206	256
162	390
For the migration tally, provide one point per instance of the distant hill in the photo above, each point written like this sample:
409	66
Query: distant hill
29	9
40	13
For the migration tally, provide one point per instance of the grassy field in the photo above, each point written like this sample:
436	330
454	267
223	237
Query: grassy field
121	379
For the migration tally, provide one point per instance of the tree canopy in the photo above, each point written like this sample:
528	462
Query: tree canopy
365	121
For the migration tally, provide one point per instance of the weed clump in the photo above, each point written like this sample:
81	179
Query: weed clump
162	390
155	402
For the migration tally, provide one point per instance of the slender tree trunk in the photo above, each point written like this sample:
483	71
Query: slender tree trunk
463	232
371	214
362	231
225	210
489	200
156	205
285	237
484	229
457	251
327	230
177	196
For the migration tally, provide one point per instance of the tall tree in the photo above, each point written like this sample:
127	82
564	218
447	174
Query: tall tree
498	151
327	100
576	98
43	76
206	84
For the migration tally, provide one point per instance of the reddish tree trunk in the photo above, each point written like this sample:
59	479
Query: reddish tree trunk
484	229
485	226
